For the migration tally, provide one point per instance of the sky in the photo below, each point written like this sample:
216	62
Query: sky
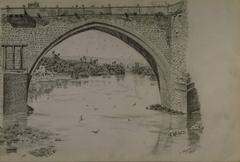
213	60
102	44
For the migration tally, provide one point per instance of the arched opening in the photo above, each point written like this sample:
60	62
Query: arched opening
92	105
144	60
157	61
95	124
91	120
129	42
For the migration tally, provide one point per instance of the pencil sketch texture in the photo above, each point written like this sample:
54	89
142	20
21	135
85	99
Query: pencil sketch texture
158	33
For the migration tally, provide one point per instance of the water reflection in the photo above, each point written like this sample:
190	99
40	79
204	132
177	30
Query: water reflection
194	120
120	77
191	123
77	83
38	89
166	143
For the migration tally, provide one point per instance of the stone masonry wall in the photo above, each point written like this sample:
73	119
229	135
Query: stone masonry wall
15	92
15	99
1	81
178	58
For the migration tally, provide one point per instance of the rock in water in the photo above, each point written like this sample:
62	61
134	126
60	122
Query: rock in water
30	110
11	149
44	151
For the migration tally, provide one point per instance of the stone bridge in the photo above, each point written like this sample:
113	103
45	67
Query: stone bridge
158	33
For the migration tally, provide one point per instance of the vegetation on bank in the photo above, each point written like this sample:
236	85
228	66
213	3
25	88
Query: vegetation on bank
139	69
82	67
89	67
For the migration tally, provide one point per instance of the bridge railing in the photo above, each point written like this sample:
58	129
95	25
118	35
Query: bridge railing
92	10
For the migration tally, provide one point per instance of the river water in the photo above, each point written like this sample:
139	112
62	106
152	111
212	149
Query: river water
106	119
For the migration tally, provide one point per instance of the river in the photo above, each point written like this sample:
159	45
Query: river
106	119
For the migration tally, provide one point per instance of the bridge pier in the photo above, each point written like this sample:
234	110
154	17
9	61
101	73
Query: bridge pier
173	94
13	99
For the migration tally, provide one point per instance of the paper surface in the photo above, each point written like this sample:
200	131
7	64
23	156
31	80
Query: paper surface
109	117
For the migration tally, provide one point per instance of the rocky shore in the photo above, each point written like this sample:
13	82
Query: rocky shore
33	141
158	107
177	132
198	126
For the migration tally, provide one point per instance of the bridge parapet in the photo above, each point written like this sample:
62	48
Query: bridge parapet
37	11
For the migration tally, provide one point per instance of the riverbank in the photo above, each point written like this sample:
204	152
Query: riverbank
161	108
63	76
28	141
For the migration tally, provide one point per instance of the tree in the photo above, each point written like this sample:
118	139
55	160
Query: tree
55	56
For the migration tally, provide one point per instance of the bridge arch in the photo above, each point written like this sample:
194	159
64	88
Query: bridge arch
157	61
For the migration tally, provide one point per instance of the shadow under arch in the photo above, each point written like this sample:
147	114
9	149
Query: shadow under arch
157	61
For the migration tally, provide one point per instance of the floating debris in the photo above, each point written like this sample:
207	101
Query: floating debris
24	155
30	110
58	139
81	118
188	150
95	131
